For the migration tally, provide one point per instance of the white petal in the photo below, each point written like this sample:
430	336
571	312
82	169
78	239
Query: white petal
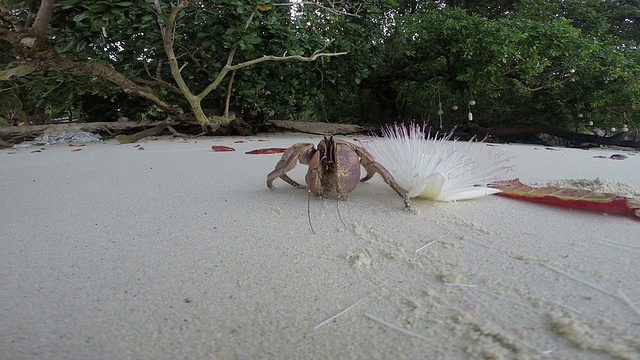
428	188
436	168
468	194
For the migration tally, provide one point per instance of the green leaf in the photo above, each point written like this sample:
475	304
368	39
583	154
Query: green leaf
78	18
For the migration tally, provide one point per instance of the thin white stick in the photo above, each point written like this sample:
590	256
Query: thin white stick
621	244
593	286
628	301
584	282
621	247
431	242
427	244
339	314
461	285
395	327
565	306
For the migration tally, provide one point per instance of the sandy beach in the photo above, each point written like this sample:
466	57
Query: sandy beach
180	252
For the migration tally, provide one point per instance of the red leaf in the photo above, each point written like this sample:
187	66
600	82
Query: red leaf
267	151
571	198
222	148
618	157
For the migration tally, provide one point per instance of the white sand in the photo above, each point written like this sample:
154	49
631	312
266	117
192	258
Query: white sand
178	252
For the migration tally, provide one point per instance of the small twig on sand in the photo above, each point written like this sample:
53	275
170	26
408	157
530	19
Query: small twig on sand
626	299
620	246
431	242
395	327
584	282
339	314
594	286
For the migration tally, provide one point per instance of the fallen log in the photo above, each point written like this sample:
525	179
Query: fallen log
128	139
318	128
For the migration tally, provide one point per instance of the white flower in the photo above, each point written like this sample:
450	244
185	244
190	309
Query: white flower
437	169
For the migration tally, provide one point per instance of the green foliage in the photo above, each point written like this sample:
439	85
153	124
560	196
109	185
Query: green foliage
531	61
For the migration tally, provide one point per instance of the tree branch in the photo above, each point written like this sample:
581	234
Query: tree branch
16	72
167	40
229	88
228	68
160	83
43	18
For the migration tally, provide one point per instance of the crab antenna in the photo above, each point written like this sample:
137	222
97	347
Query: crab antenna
309	211
340	216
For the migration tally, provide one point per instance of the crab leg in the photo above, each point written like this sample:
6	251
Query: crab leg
373	167
302	152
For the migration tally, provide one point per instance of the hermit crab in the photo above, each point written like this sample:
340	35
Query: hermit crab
333	166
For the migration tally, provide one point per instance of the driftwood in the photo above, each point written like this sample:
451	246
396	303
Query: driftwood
16	134
550	136
128	139
125	132
313	127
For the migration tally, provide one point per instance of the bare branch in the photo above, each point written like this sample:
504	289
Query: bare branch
161	83
9	36
228	68
167	40
193	58
16	72
156	4
43	18
229	88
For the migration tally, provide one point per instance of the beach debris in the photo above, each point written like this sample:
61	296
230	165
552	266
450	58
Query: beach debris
76	150
432	167
239	141
571	198
129	139
613	157
618	157
396	327
339	314
64	137
267	151
222	148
